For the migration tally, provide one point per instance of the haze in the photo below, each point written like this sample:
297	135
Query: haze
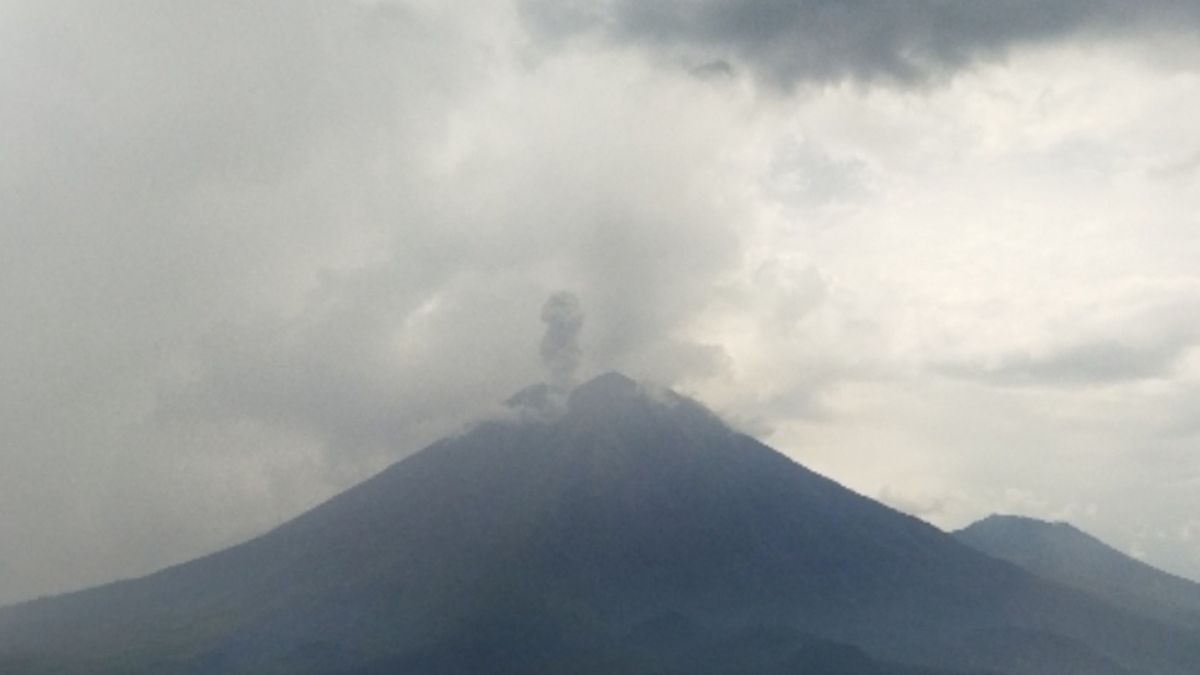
252	252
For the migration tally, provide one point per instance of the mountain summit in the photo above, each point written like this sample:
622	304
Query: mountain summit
1064	554
625	529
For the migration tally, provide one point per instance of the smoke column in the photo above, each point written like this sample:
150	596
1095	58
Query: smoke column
560	345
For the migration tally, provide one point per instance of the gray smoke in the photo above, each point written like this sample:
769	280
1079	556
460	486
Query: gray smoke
560	345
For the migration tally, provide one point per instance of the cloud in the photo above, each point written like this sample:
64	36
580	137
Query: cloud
1176	168
922	505
443	318
170	169
258	251
1146	337
253	252
1095	362
907	42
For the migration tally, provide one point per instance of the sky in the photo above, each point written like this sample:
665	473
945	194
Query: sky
252	252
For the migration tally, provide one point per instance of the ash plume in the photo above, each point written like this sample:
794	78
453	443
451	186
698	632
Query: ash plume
560	350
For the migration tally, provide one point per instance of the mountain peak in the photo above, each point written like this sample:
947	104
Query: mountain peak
1065	554
606	393
1016	522
611	388
615	401
612	380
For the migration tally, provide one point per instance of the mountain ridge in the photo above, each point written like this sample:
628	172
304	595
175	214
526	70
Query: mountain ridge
549	541
1065	554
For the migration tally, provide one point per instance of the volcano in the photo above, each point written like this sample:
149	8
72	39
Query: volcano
1065	554
620	529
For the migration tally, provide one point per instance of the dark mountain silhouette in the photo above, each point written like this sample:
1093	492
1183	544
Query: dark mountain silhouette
620	530
1064	554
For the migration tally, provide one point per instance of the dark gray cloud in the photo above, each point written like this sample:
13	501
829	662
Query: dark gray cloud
786	42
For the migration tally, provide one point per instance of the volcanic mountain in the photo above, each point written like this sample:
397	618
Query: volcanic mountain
1064	554
619	530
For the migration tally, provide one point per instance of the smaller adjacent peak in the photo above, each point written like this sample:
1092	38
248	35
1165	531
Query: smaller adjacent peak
1012	518
1063	553
997	522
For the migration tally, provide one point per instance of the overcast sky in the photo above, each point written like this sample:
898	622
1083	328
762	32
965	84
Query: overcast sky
947	253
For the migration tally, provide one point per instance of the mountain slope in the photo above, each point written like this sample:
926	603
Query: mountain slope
1066	555
624	530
